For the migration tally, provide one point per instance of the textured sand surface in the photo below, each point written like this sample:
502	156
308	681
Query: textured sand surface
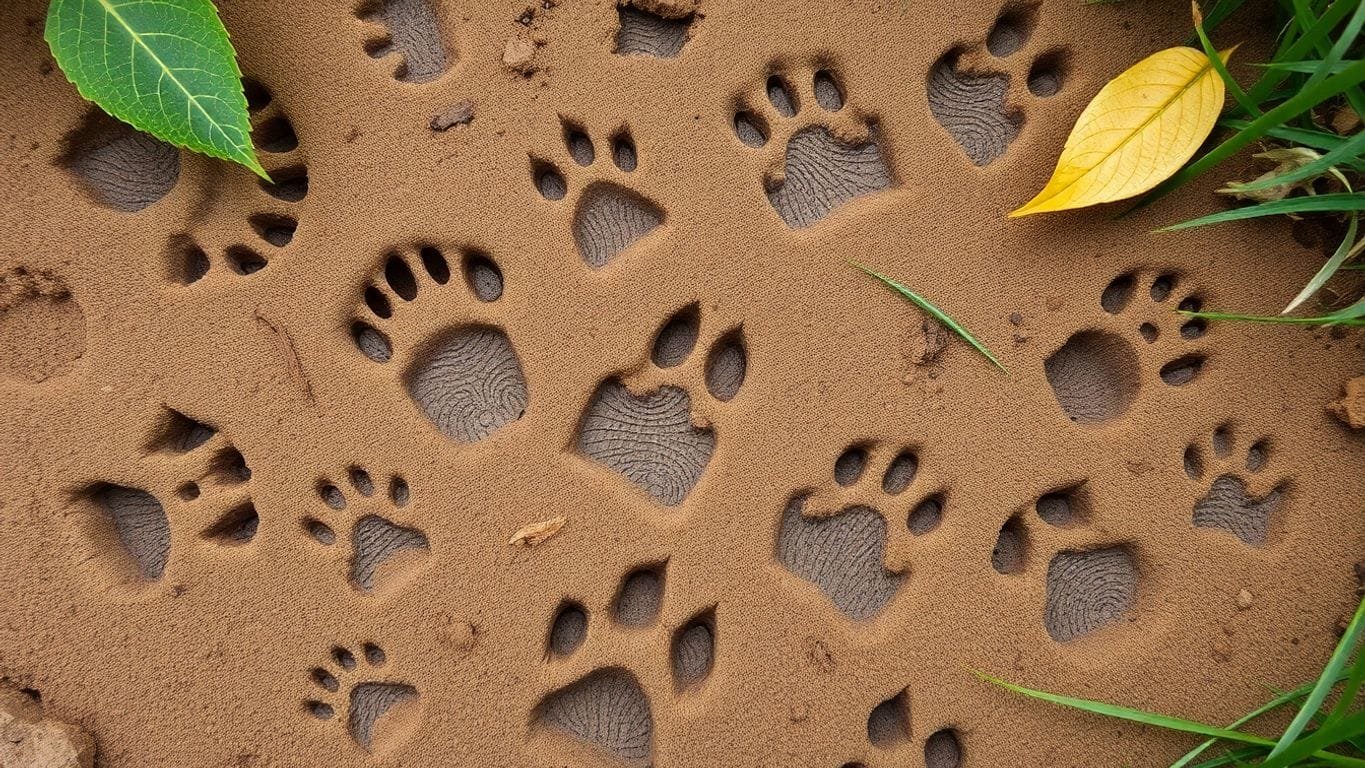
574	277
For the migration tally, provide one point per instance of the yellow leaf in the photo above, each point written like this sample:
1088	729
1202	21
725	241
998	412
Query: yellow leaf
1137	131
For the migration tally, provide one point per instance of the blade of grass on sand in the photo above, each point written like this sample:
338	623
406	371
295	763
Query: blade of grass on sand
1331	54
1314	743
1306	67
1348	250
1340	656
1353	316
929	307
1308	41
1338	201
1216	59
1270	706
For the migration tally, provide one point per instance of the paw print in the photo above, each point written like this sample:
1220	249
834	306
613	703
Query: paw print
380	713
607	706
969	90
1089	583
829	153
1234	500
190	469
651	440
1100	371
407	35
384	554
273	223
838	538
608	216
466	379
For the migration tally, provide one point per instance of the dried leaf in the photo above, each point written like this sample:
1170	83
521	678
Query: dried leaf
1287	160
1137	131
536	534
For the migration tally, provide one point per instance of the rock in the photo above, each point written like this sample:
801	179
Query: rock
1243	600
519	55
456	114
29	740
1351	407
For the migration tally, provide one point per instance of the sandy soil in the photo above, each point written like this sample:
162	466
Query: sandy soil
535	417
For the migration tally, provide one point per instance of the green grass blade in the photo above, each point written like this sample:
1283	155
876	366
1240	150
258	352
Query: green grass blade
1333	319
1301	47
1216	60
1301	102
166	68
1348	249
1314	744
1279	701
1326	681
1349	149
929	307
1306	67
1336	202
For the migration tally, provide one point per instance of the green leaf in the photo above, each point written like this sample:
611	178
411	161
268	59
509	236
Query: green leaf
1347	250
1337	202
1326	681
1279	701
929	307
163	66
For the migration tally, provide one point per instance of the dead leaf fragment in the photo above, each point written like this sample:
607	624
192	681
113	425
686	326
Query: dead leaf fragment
1287	160
1350	409
1137	131
536	534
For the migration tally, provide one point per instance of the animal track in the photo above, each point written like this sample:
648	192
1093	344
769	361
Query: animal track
1229	503
1099	372
650	439
607	707
379	712
408	33
120	167
641	32
837	539
42	329
274	223
828	160
466	379
971	99
608	217
131	532
383	553
1088	587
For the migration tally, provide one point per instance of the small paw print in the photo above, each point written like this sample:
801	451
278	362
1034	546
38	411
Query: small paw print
969	89
1090	582
608	215
1100	372
606	706
380	713
383	554
1236	500
817	158
651	440
847	540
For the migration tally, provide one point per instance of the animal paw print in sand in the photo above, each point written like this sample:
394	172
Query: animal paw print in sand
643	32
969	90
273	222
1101	370
466	379
1236	499
651	439
407	35
1089	583
608	707
608	217
829	153
889	734
383	553
194	471
380	713
118	166
838	539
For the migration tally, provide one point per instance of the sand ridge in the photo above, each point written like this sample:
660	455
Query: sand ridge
265	445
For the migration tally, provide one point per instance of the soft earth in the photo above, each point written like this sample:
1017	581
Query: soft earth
535	416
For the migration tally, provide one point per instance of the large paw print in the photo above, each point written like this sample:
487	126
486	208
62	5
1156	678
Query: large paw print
467	379
838	539
1101	370
969	89
609	707
1235	500
380	713
1089	584
650	440
383	554
608	216
818	157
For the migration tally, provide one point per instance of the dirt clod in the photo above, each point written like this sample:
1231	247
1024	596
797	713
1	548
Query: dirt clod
459	114
1350	409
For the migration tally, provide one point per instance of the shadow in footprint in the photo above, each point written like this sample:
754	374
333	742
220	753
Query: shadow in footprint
606	709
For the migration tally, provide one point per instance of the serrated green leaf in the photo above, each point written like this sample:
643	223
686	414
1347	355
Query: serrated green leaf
162	66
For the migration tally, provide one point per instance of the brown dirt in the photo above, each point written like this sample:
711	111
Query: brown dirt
265	448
